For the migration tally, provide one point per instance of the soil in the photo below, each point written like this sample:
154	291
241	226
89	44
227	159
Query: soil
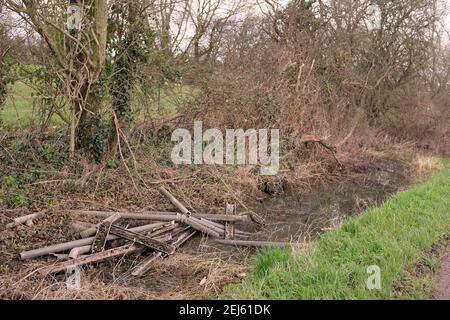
443	281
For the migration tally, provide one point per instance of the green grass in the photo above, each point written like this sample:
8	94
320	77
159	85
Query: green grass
18	109
394	237
170	100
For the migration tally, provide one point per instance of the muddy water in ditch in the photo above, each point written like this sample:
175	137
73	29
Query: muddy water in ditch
292	216
299	216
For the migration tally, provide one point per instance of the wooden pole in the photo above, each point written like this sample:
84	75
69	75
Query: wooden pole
219	230
230	228
166	228
180	230
184	237
186	217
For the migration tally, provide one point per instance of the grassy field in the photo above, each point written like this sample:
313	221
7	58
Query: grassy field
166	104
394	237
18	109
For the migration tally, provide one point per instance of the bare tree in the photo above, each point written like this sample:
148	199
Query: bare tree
193	27
78	54
4	49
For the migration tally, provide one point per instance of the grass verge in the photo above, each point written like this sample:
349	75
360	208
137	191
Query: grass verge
393	236
18	109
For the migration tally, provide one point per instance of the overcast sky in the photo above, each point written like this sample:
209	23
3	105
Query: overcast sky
447	20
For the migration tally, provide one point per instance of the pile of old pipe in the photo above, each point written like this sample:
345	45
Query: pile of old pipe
161	238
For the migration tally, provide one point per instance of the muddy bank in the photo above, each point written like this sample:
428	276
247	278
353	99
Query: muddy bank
443	278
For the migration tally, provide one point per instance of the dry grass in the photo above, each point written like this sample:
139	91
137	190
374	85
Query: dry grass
91	289
189	276
426	164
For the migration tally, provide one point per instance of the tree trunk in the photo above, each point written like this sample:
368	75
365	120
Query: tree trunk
125	75
87	108
2	88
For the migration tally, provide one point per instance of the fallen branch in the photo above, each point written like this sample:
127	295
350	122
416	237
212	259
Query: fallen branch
321	141
61	257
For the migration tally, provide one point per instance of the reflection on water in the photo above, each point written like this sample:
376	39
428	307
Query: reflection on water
294	216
